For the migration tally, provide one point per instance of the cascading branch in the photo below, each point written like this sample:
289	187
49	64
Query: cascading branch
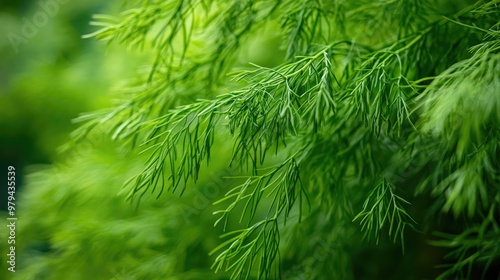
374	101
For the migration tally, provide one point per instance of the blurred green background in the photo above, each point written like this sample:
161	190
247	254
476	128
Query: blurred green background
47	80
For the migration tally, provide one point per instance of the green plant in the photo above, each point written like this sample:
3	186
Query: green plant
375	104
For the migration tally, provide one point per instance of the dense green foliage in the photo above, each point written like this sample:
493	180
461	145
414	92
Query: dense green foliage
376	119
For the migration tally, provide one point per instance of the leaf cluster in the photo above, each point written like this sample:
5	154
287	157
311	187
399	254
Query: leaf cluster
348	120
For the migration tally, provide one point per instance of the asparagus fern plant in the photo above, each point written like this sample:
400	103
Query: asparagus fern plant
373	106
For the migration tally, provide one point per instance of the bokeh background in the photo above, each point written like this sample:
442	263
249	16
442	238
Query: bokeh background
46	81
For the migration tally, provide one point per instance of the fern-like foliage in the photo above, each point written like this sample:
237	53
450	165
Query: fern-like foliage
381	208
350	119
